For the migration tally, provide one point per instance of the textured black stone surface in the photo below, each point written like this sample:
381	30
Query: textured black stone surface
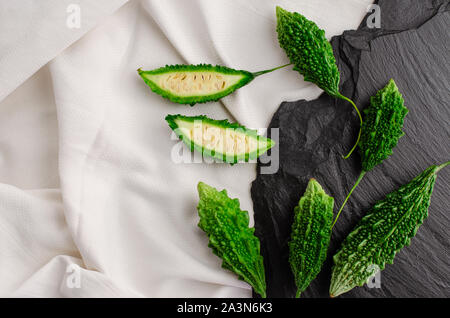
412	47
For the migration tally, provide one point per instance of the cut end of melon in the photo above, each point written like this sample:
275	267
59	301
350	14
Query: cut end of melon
217	140
193	83
228	141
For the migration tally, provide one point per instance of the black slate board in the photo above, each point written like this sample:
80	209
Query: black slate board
412	47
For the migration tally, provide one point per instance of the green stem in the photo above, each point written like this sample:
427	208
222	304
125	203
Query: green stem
445	164
360	123
297	295
348	196
271	70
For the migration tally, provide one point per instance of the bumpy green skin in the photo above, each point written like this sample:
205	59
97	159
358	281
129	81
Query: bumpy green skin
382	126
310	236
308	49
192	100
388	227
230	238
223	124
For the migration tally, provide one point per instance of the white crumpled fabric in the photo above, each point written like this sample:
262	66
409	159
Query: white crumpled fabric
91	203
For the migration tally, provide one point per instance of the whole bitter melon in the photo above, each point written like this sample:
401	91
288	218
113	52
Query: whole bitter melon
388	227
312	55
310	236
230	237
191	84
381	130
228	142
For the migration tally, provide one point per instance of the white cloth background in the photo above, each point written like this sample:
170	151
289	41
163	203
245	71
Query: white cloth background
86	177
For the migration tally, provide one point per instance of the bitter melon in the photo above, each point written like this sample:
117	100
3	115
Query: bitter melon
191	84
388	227
228	142
312	55
310	236
381	130
230	237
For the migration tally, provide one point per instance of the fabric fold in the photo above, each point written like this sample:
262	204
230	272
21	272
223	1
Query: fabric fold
35	32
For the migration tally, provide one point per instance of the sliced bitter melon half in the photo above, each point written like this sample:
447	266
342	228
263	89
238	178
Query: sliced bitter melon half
220	139
191	84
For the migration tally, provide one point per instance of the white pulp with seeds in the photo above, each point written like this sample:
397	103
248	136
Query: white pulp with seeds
219	138
230	141
194	83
